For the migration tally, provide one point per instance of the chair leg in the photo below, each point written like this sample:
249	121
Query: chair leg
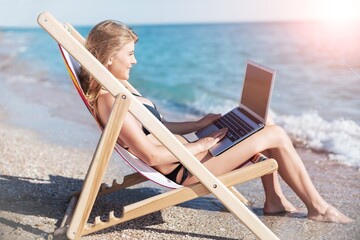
97	167
67	217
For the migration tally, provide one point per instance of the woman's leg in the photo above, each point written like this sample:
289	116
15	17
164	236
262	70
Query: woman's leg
291	169
275	201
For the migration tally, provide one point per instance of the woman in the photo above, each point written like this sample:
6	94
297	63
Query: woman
113	44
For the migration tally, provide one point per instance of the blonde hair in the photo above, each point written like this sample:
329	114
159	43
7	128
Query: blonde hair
104	41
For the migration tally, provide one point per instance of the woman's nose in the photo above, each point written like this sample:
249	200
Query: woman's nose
134	61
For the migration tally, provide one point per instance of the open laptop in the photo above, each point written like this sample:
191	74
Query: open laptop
250	116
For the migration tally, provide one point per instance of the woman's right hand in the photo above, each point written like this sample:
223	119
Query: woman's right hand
207	120
208	142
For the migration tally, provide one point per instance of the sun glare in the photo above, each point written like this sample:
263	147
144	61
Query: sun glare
338	11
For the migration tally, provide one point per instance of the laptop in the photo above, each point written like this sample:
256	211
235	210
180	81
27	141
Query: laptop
250	116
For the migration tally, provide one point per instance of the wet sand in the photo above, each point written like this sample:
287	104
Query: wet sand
38	175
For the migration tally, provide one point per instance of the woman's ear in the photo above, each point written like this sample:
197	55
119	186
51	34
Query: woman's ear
110	61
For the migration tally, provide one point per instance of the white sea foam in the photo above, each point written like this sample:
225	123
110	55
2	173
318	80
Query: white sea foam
340	137
208	103
21	78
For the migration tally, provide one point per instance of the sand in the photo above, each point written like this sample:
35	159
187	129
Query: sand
38	175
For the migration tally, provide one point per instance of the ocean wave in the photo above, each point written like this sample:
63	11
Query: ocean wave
340	138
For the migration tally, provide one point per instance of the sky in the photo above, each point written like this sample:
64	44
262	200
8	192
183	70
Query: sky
23	13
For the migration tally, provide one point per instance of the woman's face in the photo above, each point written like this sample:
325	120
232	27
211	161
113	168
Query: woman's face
121	63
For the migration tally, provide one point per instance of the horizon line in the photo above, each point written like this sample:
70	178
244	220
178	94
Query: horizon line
191	23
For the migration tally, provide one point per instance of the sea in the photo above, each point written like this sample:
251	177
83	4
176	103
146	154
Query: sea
193	69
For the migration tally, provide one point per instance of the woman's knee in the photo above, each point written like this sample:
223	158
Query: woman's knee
279	135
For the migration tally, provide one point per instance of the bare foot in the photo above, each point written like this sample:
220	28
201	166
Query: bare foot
277	207
331	215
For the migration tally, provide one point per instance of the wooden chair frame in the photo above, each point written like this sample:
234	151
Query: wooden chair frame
75	220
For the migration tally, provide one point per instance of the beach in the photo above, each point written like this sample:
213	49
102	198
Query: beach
47	137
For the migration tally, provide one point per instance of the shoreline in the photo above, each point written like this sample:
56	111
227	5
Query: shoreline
37	176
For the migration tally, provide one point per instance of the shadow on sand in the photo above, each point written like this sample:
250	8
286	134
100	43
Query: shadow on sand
49	199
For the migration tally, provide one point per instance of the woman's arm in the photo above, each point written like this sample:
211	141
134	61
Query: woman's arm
139	144
182	128
154	154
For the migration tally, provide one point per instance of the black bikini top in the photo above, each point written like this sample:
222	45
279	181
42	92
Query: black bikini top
153	110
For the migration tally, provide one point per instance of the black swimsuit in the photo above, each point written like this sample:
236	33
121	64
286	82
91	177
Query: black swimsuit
172	176
155	112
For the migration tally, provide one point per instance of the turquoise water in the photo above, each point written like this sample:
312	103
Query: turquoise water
190	70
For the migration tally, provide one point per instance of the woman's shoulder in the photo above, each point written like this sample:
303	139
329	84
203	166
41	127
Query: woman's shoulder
104	93
105	98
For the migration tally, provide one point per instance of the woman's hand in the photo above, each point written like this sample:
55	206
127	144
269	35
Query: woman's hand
182	128
208	119
208	142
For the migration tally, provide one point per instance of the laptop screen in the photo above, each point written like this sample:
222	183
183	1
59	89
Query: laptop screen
257	89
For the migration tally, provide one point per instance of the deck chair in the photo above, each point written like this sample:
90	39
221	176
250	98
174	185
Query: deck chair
76	217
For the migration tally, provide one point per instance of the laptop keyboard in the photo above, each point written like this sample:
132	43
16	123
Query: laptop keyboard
237	127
